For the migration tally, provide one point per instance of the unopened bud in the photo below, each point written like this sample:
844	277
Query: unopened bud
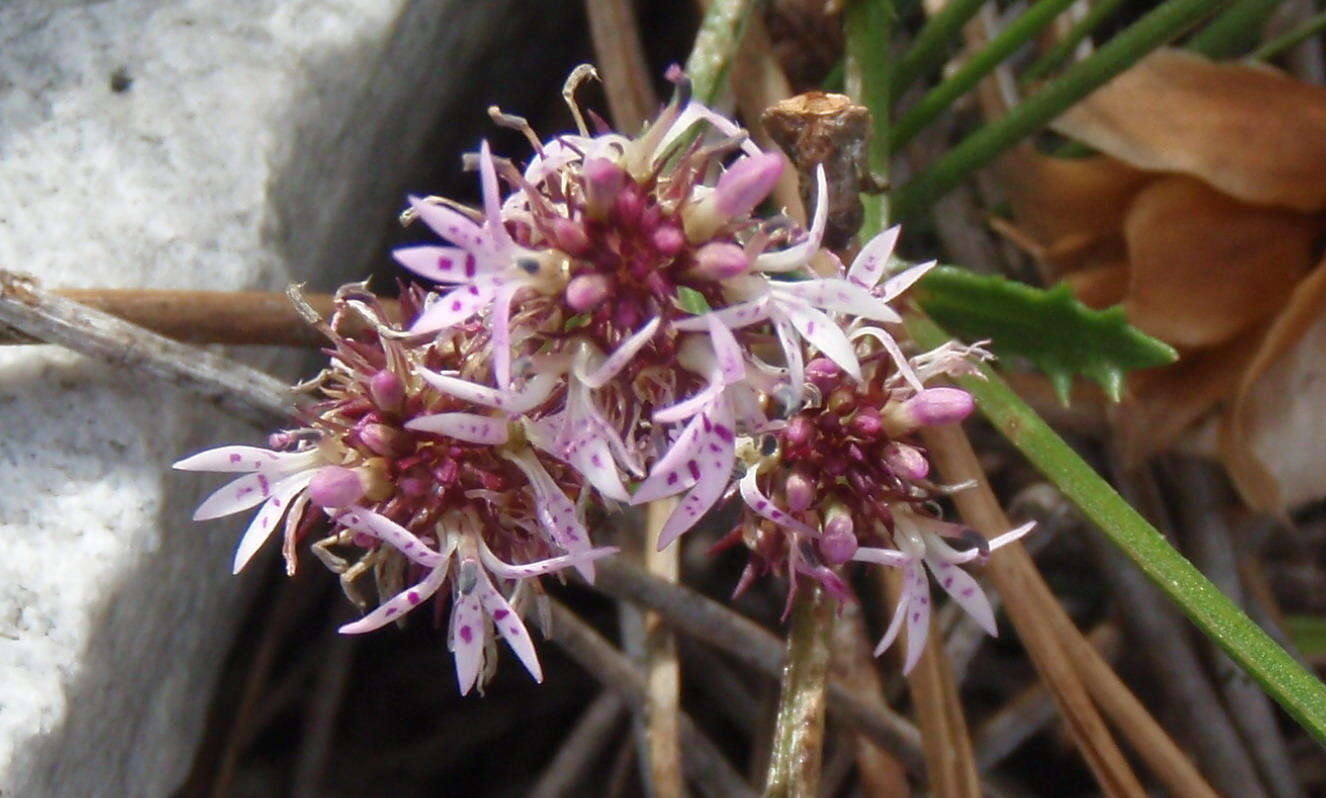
668	240
387	390
383	439
800	490
746	183
906	461
838	542
720	260
334	486
824	374
585	292
570	237
931	407
799	431
628	206
866	423
603	182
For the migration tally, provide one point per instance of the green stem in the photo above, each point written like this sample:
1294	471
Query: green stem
1063	49
1234	31
1290	39
1301	694
720	34
794	762
983	63
1151	31
869	26
931	44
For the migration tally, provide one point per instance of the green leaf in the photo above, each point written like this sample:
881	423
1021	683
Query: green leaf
575	322
1308	633
1060	335
692	301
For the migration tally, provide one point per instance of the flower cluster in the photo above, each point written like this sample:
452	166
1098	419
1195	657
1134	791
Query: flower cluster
619	326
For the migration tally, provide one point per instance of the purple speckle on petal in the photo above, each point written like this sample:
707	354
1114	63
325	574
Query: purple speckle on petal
234	458
413	597
500	614
466	634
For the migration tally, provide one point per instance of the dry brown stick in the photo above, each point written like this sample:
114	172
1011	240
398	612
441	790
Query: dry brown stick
754	646
586	740
950	763
1031	611
1030	710
621	63
704	763
853	664
1201	508
1166	636
798	750
48	317
662	668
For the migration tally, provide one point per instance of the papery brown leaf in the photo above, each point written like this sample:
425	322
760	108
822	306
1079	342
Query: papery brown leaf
1251	131
1204	267
1068	206
1164	402
1275	432
1100	287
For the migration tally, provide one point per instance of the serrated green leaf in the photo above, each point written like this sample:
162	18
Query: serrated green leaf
1049	327
692	301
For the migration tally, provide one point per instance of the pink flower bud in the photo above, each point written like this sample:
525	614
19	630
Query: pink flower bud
570	236
628	206
931	407
584	293
668	240
383	439
906	461
866	423
800	490
334	486
720	261
387	390
799	430
838	542
603	181
824	374
279	440
746	183
627	314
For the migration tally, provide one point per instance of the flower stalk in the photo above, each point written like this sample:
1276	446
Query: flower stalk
794	763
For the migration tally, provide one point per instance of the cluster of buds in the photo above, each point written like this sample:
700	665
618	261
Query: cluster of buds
620	327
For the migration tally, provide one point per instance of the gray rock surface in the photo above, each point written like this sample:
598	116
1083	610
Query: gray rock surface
172	144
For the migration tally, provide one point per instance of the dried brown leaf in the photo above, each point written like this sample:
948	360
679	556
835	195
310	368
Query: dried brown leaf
1275	431
1251	131
1205	267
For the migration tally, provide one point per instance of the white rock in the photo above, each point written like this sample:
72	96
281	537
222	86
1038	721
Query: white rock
256	142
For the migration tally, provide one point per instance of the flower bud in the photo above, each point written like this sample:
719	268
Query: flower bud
746	183
720	260
838	542
668	240
585	292
603	182
628	206
824	374
931	407
866	423
906	461
800	490
799	431
334	486
570	237
383	439
387	390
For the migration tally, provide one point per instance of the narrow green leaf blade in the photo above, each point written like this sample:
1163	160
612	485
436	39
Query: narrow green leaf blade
1049	327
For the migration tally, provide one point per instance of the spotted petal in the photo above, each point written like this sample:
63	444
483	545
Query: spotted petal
404	601
840	296
388	531
797	255
900	282
456	306
966	592
260	528
712	468
670	474
509	625
557	516
731	364
889	557
467	635
873	259
462	426
916	592
622	355
241	494
762	505
451	225
742	314
505	570
236	459
440	264
827	336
